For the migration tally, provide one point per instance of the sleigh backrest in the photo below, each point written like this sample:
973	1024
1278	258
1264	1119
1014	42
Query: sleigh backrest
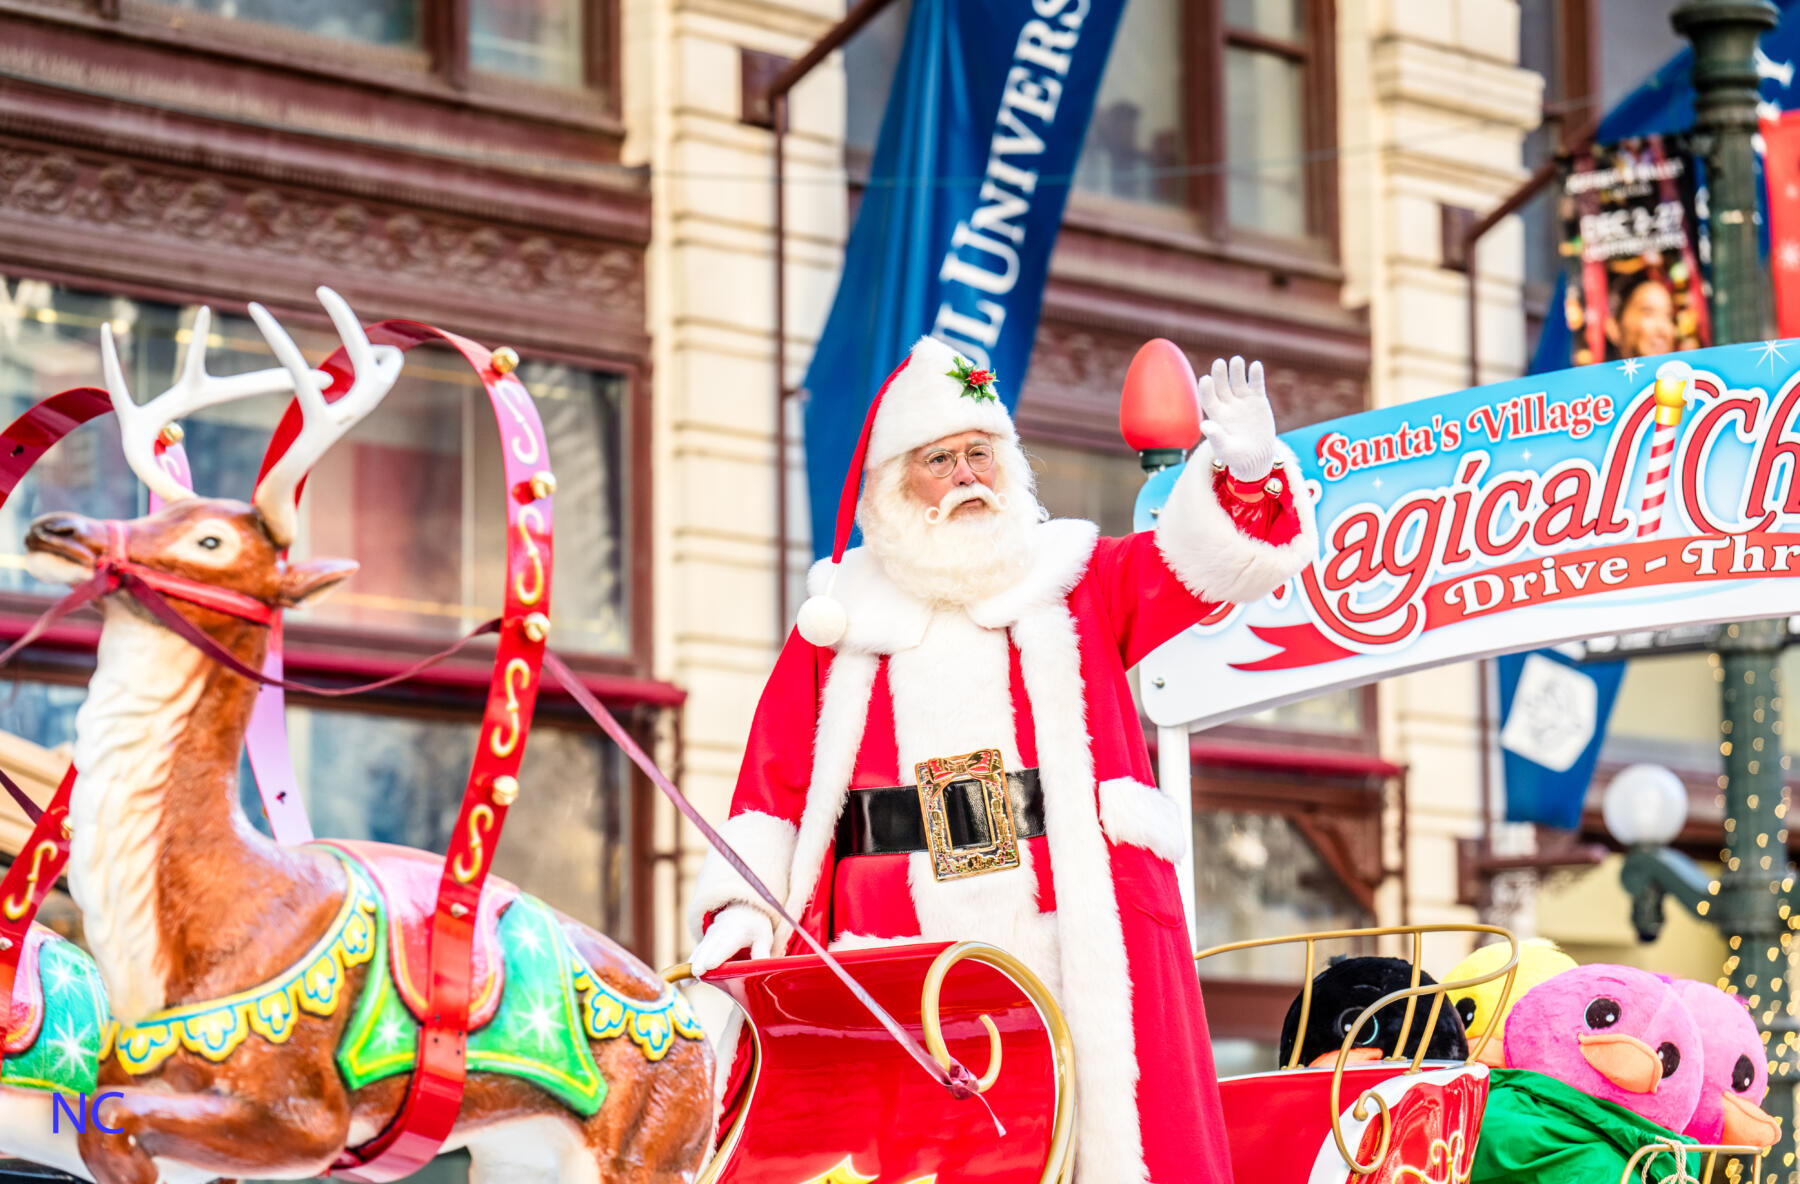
1363	1135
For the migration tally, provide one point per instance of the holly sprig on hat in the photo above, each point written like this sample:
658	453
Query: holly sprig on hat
976	384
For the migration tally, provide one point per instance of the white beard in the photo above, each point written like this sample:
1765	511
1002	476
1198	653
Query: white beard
960	559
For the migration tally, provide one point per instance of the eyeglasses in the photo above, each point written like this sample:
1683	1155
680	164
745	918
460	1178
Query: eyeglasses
941	462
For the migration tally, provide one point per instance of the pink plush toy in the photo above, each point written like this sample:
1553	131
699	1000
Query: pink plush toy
1734	1070
1615	1033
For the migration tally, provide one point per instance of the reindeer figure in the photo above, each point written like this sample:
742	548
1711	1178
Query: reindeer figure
261	991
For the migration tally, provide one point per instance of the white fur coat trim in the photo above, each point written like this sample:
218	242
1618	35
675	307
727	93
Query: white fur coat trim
1096	977
843	713
1095	985
1061	549
883	619
766	844
1143	816
1002	906
1211	557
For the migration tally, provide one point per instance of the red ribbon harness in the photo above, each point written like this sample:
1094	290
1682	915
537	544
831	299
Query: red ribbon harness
435	1089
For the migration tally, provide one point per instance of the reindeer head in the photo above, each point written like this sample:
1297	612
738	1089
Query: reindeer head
220	542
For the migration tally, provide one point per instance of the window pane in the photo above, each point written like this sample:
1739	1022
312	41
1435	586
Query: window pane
412	494
1265	117
870	59
1255	876
536	39
400	780
1101	487
1540	51
1338	713
1137	143
1232	1058
378	22
1271	18
1631	48
1540	48
1668	712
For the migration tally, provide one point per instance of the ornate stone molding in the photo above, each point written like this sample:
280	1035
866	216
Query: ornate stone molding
1083	368
239	227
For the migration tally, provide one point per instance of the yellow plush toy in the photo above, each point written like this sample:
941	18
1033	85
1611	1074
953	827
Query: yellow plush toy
1479	1006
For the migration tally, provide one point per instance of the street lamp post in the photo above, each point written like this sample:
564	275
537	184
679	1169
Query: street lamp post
1751	908
1645	808
1725	34
1753	902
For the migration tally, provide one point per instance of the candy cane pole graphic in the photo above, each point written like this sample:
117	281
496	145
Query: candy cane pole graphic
1671	399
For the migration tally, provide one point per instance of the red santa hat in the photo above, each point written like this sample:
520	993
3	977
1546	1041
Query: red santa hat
934	392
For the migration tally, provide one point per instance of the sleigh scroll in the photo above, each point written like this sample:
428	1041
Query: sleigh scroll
828	1098
1637	1171
1396	1120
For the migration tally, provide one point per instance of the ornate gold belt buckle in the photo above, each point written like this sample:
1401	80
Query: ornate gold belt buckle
935	777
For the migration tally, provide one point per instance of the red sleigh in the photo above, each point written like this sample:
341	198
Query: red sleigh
830	1100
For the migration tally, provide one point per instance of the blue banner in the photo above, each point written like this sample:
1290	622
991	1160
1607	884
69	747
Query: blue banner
1553	715
983	127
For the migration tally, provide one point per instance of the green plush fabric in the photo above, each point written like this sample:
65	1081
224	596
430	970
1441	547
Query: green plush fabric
537	1034
1536	1130
66	1054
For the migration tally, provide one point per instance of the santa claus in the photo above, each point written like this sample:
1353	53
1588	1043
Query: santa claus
948	748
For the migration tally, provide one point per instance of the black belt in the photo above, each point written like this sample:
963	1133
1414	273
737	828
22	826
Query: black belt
889	822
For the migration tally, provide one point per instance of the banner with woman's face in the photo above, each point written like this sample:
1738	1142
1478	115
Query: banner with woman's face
1634	251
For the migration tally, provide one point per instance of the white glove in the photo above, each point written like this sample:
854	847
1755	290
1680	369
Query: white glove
1238	420
737	928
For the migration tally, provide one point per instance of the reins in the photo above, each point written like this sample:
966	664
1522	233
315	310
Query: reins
121	575
433	1098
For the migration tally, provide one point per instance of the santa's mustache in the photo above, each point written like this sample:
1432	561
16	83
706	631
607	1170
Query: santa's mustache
961	494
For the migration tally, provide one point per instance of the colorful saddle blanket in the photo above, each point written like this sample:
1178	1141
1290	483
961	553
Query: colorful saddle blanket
539	1003
407	882
549	1005
59	1022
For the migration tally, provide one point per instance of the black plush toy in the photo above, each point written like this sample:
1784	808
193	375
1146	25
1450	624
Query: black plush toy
1340	993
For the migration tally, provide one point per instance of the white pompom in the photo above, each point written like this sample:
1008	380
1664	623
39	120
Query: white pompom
822	621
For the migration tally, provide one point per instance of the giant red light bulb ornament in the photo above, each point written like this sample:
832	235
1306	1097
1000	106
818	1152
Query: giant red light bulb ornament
1159	411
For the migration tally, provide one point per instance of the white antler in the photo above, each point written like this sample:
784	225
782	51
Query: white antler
194	390
375	368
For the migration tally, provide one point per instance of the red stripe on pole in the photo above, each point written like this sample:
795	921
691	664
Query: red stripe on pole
1781	170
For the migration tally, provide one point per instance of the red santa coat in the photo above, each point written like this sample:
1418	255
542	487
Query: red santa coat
1039	672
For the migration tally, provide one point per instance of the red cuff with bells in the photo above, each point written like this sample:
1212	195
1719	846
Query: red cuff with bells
1262	509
